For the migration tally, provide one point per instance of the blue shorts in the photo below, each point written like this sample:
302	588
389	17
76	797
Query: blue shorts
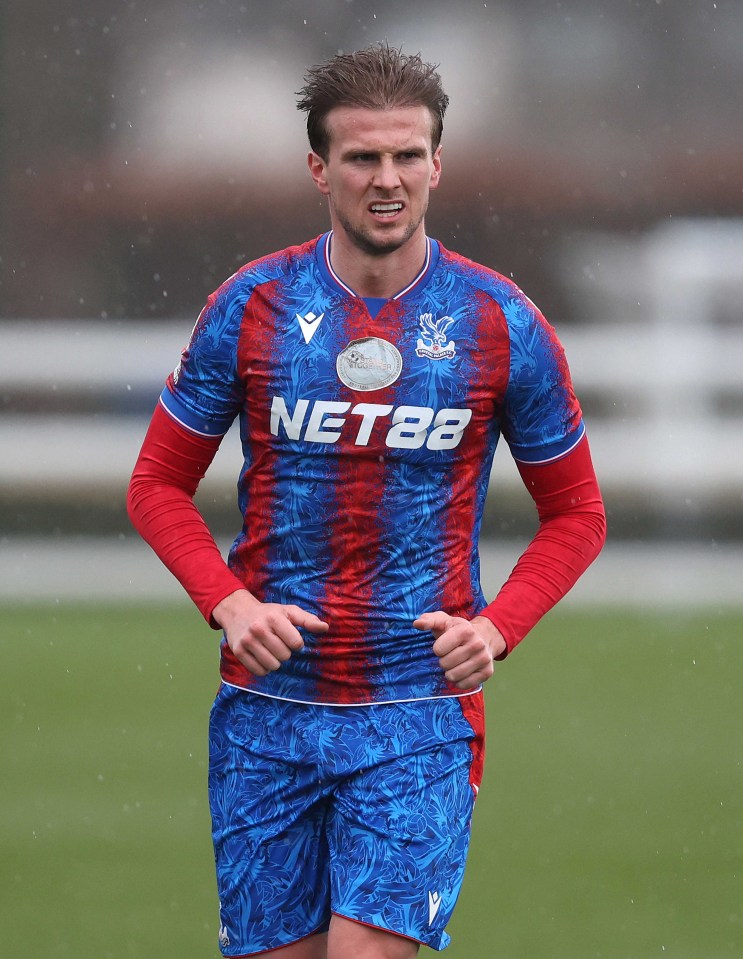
361	811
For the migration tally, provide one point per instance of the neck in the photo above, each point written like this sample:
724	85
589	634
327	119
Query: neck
383	275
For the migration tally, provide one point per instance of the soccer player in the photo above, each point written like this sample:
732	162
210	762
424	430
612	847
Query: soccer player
372	372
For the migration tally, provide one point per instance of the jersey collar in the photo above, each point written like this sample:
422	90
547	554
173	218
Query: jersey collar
331	277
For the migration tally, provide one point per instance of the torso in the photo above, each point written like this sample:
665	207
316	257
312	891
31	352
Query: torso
368	445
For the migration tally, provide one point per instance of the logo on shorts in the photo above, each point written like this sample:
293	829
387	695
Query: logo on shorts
434	904
370	363
432	341
224	939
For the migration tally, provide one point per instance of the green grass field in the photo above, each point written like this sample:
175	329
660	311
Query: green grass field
609	826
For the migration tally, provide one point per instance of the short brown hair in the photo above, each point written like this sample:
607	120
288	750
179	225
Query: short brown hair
378	77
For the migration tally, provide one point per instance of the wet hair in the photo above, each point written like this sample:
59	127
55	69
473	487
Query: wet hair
378	77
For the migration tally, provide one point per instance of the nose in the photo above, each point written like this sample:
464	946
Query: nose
386	175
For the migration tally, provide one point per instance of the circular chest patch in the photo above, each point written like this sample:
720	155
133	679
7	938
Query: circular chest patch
368	364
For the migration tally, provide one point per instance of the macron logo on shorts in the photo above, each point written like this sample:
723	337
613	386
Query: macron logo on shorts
434	904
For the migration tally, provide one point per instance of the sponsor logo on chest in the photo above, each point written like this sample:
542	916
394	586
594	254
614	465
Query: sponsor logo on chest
405	427
368	364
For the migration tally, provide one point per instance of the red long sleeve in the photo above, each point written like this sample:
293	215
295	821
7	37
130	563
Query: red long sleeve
160	504
572	530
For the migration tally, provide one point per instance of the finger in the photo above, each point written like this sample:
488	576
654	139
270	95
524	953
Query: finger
461	643
435	623
471	682
308	621
251	663
272	644
458	635
269	641
278	626
256	653
451	658
279	634
470	673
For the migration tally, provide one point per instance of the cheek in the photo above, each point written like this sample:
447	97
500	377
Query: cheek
423	185
354	190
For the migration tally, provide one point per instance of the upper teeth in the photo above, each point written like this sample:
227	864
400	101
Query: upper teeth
386	207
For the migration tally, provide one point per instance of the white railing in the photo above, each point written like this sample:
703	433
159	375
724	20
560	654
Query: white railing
670	374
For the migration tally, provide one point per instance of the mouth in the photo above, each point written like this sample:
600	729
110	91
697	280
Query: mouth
386	209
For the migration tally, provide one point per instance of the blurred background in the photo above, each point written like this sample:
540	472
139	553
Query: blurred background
592	151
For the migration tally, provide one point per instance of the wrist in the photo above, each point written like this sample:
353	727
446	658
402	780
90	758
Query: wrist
493	636
232	605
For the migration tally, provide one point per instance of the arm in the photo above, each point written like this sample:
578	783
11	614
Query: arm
572	530
571	533
160	504
170	466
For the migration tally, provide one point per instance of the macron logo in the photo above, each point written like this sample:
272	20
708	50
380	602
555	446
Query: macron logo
308	324
434	903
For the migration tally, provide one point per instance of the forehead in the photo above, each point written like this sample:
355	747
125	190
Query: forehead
393	129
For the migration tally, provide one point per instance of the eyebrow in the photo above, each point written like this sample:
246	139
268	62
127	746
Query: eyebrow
371	151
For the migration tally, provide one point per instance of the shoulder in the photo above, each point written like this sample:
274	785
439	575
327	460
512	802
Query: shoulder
219	323
282	265
505	297
479	277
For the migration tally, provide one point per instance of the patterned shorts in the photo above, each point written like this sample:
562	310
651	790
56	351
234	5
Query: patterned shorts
361	811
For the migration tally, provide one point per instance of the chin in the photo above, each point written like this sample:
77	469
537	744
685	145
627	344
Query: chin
381	244
382	247
377	239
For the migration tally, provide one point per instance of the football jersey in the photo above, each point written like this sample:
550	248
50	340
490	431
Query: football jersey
368	431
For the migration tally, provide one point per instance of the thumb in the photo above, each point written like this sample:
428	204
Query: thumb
435	623
308	621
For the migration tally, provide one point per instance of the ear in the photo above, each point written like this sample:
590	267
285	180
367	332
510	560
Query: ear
436	172
317	167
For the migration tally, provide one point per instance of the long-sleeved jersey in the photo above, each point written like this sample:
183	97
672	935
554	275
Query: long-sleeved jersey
368	430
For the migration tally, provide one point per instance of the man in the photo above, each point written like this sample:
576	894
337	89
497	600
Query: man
372	372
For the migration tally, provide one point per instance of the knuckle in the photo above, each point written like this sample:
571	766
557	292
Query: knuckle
255	632
254	640
272	619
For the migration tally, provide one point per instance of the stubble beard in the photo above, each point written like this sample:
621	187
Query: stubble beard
367	243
